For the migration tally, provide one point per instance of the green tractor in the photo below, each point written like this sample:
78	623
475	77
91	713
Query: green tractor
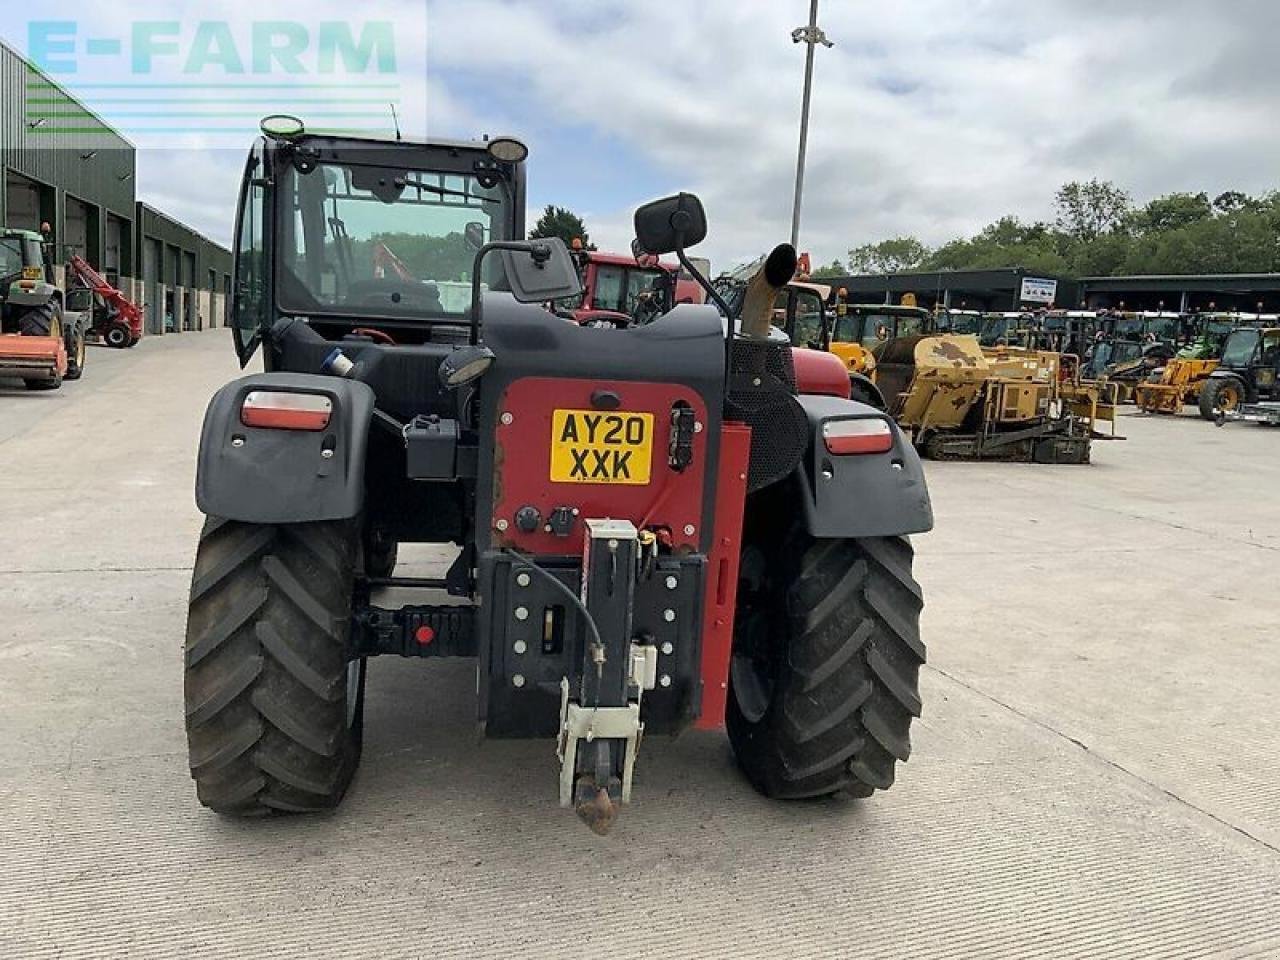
41	342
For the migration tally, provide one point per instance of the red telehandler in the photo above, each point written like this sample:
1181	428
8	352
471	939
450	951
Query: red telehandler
117	320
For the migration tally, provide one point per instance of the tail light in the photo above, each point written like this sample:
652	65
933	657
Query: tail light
273	410
866	435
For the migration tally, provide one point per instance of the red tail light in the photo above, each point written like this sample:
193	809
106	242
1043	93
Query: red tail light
286	411
866	435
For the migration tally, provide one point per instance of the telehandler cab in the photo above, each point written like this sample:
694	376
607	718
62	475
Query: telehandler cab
658	527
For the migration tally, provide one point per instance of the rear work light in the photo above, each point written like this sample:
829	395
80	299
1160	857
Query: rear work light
286	411
867	435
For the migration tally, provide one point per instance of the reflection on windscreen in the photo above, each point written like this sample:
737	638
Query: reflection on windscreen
1239	348
619	288
10	257
383	242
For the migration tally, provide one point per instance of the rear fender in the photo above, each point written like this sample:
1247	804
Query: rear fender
39	294
860	495
283	476
862	388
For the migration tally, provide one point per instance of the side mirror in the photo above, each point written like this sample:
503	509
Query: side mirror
539	270
671	224
535	270
474	235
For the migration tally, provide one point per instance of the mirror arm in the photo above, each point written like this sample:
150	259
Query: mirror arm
475	279
702	281
717	300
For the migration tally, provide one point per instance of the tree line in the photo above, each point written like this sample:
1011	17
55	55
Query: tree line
1098	230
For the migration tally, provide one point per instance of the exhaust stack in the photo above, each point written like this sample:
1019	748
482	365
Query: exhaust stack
762	290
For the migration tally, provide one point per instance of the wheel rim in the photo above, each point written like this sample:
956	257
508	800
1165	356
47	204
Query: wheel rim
80	353
1228	398
751	669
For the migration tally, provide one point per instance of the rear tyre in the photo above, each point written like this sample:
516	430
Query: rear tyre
118	337
274	700
41	321
826	661
1220	394
75	357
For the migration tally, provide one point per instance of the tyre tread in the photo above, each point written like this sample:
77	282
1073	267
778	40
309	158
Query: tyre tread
266	667
847	689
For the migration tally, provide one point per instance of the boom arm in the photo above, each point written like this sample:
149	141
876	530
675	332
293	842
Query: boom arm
123	307
384	259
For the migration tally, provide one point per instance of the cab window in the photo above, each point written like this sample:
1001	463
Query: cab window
799	312
611	288
910	326
1271	349
250	305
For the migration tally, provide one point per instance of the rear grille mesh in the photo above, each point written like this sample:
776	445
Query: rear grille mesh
762	386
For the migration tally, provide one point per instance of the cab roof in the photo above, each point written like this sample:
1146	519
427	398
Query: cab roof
624	260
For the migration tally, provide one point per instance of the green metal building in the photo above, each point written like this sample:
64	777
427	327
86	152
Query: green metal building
66	168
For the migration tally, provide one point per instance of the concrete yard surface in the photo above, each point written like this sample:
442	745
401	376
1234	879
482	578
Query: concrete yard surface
1097	773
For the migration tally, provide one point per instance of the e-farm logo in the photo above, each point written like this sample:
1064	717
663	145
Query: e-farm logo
275	46
161	77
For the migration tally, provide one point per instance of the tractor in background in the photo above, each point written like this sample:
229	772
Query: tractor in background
41	341
658	526
957	399
1130	346
1247	374
620	290
957	320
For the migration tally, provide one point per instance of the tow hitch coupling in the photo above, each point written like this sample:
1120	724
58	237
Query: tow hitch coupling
600	726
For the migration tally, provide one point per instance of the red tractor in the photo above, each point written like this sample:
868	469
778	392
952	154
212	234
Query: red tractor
620	290
658	527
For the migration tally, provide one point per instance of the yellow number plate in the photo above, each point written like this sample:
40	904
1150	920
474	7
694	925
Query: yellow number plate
595	446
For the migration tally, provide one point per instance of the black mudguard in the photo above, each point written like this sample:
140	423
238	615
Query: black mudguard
861	386
863	495
282	476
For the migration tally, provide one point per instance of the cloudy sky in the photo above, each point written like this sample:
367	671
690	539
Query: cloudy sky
930	117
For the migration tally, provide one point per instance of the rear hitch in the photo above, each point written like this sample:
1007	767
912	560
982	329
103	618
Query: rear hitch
590	779
600	726
595	806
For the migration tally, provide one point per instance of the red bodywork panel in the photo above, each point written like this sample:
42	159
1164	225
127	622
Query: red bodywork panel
819	372
24	352
722	574
522	459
